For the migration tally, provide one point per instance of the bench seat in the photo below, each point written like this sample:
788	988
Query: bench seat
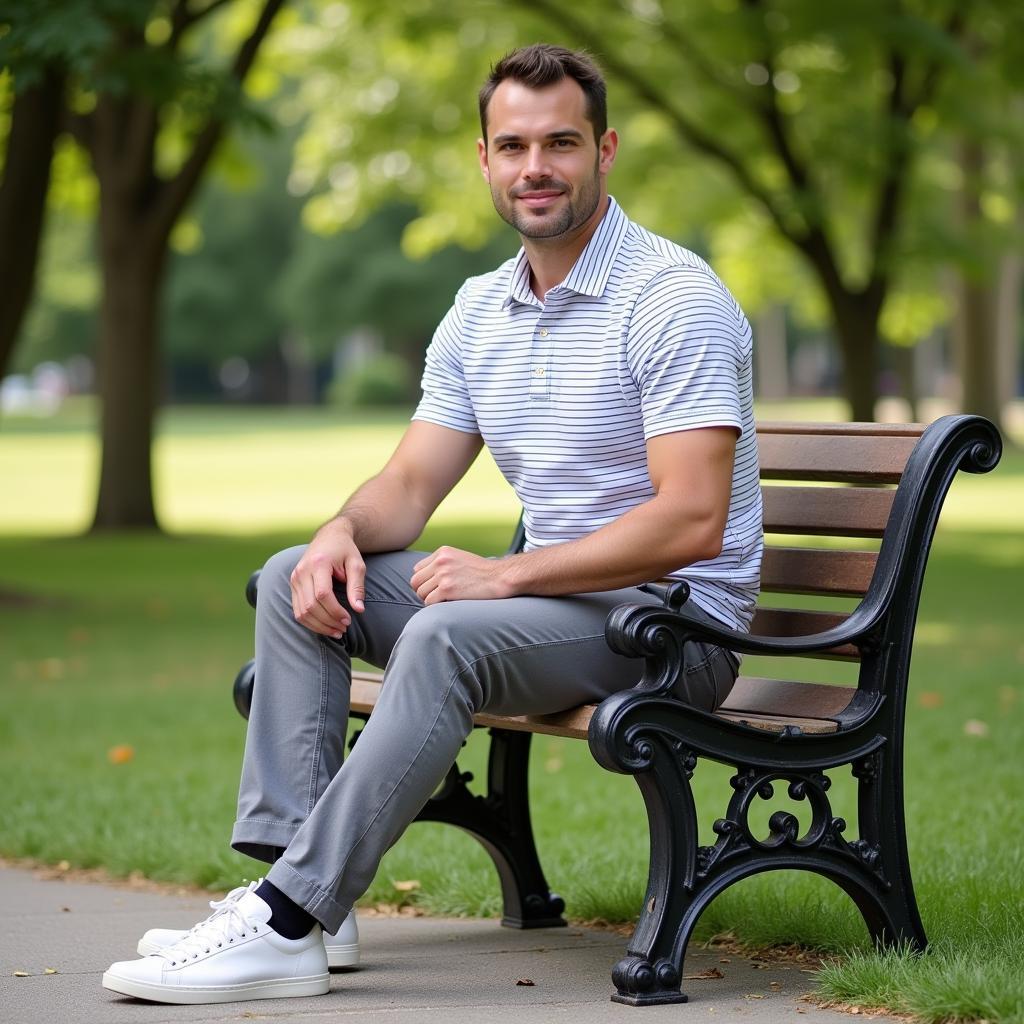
767	704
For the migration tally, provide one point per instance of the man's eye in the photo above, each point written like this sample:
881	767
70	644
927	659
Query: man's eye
509	146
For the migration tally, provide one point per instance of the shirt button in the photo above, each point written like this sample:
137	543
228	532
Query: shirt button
539	371
544	332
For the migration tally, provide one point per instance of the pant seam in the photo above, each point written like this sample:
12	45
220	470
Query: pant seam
394	789
321	724
713	655
266	821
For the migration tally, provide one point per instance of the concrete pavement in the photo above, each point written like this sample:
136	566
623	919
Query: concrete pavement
414	969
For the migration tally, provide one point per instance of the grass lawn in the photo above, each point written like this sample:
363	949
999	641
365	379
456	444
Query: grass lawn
119	746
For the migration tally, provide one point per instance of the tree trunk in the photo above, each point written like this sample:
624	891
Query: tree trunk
133	263
978	298
904	364
977	350
856	321
1008	319
35	119
771	366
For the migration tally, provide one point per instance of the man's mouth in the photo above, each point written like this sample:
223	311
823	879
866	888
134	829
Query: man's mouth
540	198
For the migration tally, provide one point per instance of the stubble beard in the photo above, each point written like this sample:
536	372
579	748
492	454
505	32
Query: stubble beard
576	212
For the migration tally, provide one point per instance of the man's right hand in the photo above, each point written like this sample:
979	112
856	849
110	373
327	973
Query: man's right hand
332	555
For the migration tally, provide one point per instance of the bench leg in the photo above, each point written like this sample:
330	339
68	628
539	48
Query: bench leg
651	971
890	910
501	822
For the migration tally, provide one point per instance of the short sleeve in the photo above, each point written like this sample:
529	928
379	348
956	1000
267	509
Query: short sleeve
685	343
446	399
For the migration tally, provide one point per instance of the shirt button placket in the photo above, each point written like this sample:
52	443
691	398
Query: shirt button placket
540	366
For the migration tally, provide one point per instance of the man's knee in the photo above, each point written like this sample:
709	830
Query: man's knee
275	576
438	646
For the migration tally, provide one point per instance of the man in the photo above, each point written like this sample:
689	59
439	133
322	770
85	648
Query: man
608	372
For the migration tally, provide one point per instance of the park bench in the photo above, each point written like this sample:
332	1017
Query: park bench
825	481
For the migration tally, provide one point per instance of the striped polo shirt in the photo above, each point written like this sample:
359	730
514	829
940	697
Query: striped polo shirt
640	339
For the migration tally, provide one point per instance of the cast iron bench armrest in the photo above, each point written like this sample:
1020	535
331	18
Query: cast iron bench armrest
642	631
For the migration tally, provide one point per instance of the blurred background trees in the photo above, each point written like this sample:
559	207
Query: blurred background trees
853	172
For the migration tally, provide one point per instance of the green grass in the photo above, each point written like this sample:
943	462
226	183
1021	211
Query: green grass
133	640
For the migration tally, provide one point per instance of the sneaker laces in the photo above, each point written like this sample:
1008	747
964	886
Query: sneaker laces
222	927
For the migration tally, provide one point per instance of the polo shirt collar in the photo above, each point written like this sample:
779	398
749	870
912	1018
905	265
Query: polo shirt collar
590	272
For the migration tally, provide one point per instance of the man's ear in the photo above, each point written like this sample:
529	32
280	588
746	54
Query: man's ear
608	148
481	153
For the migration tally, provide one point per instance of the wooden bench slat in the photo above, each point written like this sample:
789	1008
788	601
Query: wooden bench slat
844	429
860	458
817	571
768	704
812	726
827	511
797	622
781	698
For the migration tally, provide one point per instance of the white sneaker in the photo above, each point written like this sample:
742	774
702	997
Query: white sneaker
234	954
342	946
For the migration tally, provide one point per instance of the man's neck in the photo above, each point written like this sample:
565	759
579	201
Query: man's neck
551	259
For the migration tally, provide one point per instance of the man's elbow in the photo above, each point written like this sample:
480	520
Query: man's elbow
712	545
704	542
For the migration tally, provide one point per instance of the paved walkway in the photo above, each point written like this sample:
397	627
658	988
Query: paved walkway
63	934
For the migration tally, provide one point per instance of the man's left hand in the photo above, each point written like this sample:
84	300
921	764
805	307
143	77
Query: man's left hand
450	574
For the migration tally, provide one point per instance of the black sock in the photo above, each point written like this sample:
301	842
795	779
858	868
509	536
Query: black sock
286	918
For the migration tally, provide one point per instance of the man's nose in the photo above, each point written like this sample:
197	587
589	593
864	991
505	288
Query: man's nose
537	165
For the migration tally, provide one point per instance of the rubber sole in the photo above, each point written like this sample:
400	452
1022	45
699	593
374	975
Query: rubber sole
344	955
284	988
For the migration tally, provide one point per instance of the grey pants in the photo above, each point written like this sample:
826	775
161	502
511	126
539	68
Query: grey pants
335	817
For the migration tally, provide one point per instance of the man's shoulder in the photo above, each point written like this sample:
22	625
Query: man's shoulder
494	285
661	274
648	258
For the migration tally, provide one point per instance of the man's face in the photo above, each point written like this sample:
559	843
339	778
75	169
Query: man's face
546	172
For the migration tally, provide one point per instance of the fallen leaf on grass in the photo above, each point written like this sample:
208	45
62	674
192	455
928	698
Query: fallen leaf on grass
121	754
975	727
527	982
711	972
51	668
408	886
930	699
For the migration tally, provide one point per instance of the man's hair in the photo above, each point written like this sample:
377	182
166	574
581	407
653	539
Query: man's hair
541	65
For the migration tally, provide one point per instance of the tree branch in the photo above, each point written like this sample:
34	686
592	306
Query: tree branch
774	121
746	97
176	193
687	129
901	109
182	19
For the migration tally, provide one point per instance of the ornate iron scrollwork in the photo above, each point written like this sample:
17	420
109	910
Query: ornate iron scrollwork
825	829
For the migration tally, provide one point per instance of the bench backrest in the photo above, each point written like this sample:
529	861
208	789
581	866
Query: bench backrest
824	484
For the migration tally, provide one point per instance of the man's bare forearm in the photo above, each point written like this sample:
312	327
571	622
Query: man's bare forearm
382	515
645	544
